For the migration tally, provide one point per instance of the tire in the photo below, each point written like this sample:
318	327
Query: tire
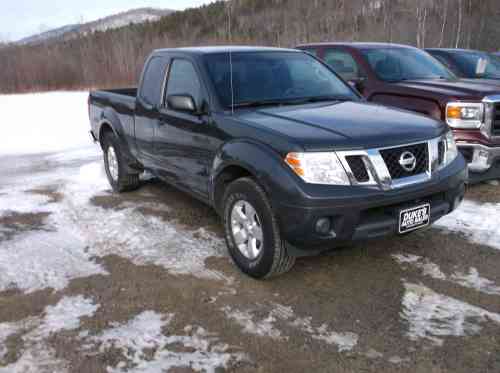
270	257
119	177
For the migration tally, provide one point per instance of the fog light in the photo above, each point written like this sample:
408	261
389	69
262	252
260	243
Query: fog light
323	226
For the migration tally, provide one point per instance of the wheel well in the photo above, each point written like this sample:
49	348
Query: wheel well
226	177
105	128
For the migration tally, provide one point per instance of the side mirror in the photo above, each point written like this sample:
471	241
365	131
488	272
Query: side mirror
358	84
182	103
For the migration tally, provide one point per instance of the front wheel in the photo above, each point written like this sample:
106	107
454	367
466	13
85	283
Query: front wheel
252	233
120	179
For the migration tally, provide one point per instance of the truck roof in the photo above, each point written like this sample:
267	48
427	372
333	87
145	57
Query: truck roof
222	49
358	45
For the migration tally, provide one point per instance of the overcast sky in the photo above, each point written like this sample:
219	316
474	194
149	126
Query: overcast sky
21	18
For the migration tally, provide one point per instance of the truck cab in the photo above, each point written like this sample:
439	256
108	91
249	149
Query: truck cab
408	78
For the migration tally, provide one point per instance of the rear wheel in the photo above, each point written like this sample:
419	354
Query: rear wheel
252	233
119	177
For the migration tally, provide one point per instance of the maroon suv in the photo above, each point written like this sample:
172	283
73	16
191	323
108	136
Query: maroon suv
409	78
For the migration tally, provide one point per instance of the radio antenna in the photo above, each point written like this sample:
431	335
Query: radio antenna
231	55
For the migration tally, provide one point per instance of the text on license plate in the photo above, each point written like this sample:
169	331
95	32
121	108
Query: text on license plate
414	218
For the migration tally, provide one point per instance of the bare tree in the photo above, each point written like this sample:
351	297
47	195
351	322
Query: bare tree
459	26
443	26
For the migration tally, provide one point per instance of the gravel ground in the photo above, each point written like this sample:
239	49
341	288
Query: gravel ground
91	281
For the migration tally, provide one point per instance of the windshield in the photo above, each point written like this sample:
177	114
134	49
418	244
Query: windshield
477	64
396	64
274	78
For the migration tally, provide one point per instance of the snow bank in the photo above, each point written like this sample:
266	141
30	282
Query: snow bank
44	122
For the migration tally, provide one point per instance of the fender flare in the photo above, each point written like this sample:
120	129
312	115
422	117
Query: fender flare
109	118
262	163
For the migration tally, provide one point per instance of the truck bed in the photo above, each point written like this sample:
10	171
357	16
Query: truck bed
123	98
132	92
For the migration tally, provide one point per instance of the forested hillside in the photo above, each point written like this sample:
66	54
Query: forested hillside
115	57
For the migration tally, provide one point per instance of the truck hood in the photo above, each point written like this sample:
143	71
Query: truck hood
474	89
345	125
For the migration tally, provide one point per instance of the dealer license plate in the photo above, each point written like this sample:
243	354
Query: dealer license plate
414	218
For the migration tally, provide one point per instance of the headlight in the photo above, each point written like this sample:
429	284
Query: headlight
464	114
318	168
451	148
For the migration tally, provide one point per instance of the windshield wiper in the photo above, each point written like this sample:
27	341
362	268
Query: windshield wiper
322	99
258	103
292	101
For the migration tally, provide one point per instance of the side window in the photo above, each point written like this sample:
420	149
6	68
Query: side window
183	80
153	81
343	64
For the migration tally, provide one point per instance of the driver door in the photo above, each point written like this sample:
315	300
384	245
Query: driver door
184	143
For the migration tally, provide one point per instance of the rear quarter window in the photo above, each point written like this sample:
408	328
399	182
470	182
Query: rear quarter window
153	79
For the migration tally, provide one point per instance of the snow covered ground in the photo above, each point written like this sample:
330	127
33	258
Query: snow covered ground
58	240
44	122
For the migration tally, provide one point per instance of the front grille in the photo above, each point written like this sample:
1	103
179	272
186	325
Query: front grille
358	168
467	152
392	160
441	152
495	126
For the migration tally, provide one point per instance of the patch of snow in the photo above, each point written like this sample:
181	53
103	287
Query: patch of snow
6	330
478	222
343	341
432	316
398	360
88	153
22	203
472	280
200	350
265	327
36	355
428	268
33	128
38	260
373	354
66	315
129	233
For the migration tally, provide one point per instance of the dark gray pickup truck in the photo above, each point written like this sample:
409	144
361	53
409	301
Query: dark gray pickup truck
293	159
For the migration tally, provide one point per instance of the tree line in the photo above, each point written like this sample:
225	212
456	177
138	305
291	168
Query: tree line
114	58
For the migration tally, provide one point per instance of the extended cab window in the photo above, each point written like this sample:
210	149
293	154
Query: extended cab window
343	64
183	80
153	81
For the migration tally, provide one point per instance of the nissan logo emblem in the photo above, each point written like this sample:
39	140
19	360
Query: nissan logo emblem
408	161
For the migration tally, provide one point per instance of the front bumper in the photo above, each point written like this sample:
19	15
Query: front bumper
362	213
483	161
